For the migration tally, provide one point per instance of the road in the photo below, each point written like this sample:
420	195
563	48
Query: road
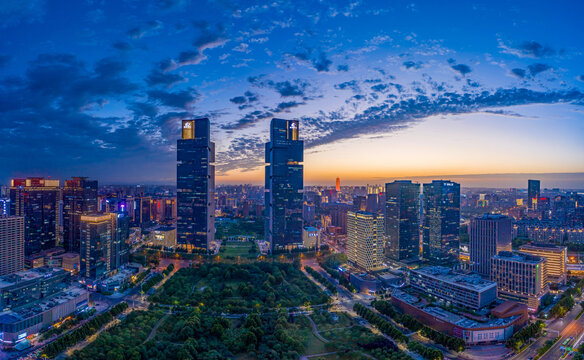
565	327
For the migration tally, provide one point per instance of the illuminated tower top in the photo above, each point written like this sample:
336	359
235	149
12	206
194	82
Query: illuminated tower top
338	187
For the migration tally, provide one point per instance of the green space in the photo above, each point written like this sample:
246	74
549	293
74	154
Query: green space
235	227
240	289
234	249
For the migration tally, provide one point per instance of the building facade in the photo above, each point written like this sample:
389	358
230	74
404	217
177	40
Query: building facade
195	185
366	239
284	185
98	250
79	197
470	291
402	220
37	200
11	244
533	194
489	234
441	225
520	277
556	259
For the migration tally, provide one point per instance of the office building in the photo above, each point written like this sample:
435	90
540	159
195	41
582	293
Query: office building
25	287
520	277
99	253
79	197
402	220
37	200
195	185
533	192
556	258
284	185
441	225
488	234
11	244
466	290
310	237
365	240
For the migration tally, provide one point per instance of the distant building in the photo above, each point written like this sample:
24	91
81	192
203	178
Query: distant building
284	185
489	234
556	256
310	237
533	192
402	220
79	197
98	252
163	236
520	277
195	184
365	239
470	291
338	184
441	226
11	244
37	200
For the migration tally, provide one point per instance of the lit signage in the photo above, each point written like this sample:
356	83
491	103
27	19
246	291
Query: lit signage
292	127
22	336
188	129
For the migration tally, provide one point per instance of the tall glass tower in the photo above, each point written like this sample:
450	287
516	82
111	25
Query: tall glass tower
79	198
284	185
533	192
195	184
441	224
402	220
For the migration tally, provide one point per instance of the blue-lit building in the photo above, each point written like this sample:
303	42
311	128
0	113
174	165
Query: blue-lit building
441	224
402	220
284	185
79	198
195	184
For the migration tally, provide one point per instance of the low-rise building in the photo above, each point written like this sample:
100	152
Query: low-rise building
493	330
28	286
310	237
164	236
468	290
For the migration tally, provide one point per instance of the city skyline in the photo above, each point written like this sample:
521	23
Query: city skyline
95	95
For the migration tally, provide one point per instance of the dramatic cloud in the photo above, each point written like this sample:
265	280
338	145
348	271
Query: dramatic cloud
519	73
168	79
537	68
183	99
322	63
247	120
462	69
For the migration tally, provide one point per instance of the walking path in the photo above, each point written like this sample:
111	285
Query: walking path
315	330
155	328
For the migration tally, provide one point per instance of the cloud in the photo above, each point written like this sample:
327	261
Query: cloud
412	65
322	63
122	46
527	49
15	12
283	106
462	69
537	68
248	120
343	67
145	29
519	73
580	78
286	88
183	99
351	85
168	79
171	4
246	152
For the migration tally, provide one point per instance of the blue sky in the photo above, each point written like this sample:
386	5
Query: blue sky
419	88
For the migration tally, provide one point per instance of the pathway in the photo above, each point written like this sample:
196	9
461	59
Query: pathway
315	330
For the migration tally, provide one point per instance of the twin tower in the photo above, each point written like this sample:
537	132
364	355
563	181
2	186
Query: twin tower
195	184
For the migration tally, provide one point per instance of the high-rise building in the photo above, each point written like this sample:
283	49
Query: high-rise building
38	201
142	210
489	234
11	244
284	185
338	185
195	185
402	220
520	277
79	197
533	192
441	225
99	254
556	257
365	239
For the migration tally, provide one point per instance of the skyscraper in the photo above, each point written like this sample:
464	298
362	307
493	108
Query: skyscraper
98	254
365	239
195	184
37	200
338	185
284	185
441	225
402	220
489	234
11	244
79	197
533	192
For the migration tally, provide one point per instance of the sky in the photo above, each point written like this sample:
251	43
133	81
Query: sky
382	89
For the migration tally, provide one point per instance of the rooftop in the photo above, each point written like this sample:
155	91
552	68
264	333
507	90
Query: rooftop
543	247
518	257
28	275
468	281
